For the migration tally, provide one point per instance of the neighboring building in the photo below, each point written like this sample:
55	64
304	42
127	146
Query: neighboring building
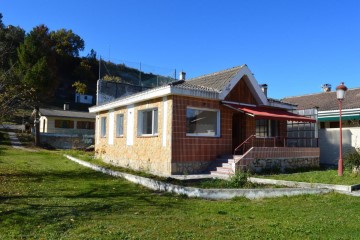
83	98
187	126
327	106
66	129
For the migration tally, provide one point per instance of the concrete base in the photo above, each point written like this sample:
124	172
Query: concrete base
215	194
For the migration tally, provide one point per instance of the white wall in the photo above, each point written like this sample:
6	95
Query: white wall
329	140
82	98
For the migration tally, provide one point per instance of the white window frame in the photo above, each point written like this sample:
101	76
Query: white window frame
154	132
218	129
103	127
119	123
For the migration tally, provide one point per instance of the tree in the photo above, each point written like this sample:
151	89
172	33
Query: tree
91	55
1	22
67	43
80	87
13	95
36	62
10	39
112	78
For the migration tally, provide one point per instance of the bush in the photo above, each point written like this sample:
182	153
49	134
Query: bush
352	160
240	179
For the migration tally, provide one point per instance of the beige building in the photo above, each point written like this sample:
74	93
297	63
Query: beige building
66	129
66	122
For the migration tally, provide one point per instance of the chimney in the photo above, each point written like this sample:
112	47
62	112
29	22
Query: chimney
66	106
182	75
264	88
326	87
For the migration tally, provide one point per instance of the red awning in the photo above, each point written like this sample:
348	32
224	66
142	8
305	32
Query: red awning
270	113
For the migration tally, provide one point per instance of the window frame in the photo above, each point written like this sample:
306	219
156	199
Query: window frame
154	122
117	133
270	128
218	125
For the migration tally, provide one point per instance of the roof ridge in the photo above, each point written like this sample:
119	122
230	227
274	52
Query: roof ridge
311	94
218	72
63	110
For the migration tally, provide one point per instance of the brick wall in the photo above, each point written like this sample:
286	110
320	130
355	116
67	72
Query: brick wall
193	153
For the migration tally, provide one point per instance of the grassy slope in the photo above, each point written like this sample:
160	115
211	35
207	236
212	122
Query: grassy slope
45	196
325	176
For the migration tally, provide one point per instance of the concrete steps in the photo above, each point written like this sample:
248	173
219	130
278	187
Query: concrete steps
223	167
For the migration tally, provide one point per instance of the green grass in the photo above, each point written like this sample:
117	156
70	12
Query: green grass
329	176
45	196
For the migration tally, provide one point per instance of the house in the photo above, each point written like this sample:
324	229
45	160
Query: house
83	98
327	106
223	119
65	128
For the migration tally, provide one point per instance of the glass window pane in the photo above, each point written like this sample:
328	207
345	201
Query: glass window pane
202	122
103	126
148	122
155	112
119	125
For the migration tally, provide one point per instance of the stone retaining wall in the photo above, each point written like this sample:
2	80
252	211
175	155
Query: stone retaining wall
65	141
259	159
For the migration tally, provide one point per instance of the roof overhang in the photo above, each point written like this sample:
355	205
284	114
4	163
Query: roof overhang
333	115
270	113
152	94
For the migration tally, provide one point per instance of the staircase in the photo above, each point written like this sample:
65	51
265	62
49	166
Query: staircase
222	166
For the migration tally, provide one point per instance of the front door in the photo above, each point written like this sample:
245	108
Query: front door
237	130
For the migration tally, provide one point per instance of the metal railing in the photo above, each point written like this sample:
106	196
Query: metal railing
256	141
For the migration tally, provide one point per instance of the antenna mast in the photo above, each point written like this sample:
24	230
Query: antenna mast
99	66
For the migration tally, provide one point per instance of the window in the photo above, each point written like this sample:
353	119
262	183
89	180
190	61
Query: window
119	125
85	125
103	127
266	128
334	124
64	124
202	122
148	122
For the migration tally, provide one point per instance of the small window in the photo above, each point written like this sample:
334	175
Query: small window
85	125
119	125
202	122
266	128
103	127
334	124
64	124
148	122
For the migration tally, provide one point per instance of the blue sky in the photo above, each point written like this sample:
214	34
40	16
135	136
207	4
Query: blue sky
293	46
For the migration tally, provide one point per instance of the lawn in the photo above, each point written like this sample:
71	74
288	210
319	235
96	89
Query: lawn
329	176
45	196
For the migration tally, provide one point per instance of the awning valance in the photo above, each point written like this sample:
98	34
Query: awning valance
270	113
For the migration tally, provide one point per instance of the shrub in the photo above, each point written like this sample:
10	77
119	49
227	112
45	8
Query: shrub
240	179
352	160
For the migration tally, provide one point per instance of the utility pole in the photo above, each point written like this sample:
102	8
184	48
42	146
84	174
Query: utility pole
37	126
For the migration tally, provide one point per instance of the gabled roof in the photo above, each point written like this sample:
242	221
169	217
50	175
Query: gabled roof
65	114
216	81
210	86
326	101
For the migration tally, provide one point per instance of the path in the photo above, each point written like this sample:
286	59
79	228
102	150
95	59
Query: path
17	144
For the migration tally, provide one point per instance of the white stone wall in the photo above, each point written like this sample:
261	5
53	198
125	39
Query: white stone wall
329	142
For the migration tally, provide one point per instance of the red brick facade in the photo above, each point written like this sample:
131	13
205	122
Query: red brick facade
192	148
